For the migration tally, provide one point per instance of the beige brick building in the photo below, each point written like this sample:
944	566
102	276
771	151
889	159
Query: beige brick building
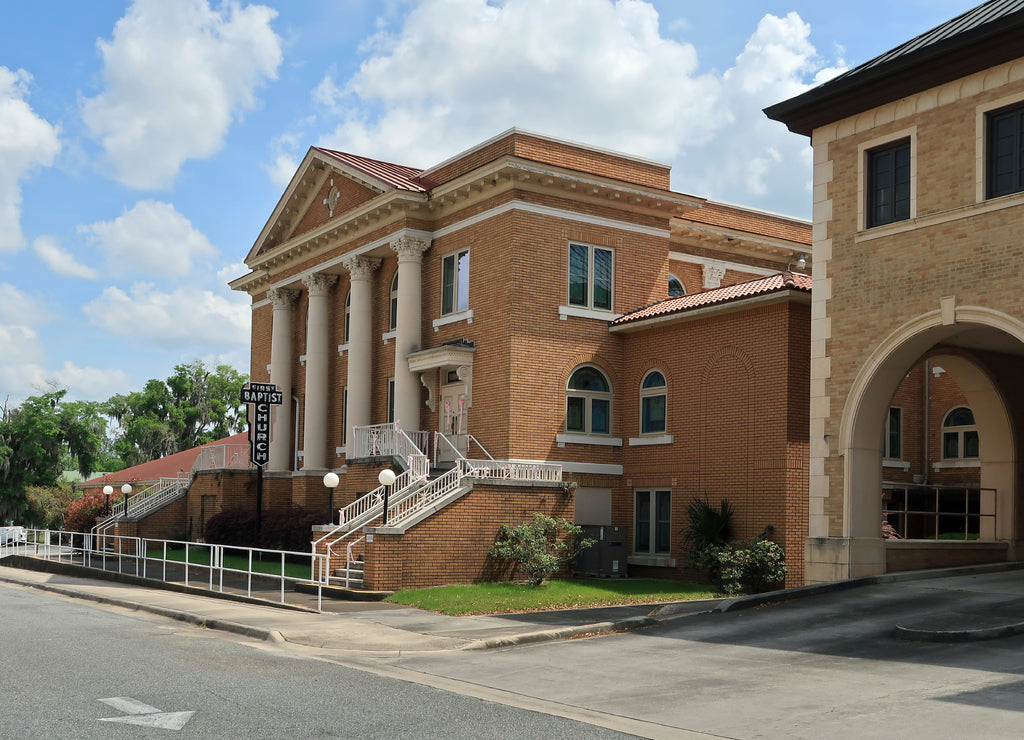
918	206
616	347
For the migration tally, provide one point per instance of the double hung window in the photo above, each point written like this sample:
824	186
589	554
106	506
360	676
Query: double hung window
652	522
959	435
1005	152
892	448
652	403
889	174
455	282
588	402
591	271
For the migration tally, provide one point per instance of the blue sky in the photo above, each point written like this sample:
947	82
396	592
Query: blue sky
144	144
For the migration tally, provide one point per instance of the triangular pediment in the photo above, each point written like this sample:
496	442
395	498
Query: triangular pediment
325	187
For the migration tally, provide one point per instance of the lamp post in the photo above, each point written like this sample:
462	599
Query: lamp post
107	490
387	479
331	481
126	491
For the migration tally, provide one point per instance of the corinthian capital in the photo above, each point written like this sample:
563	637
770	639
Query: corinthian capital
282	297
410	248
319	283
361	268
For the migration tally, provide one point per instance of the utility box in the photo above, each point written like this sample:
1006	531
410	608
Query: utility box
607	558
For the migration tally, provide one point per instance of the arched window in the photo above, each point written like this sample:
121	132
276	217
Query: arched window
348	314
394	303
675	287
653	402
959	435
588	402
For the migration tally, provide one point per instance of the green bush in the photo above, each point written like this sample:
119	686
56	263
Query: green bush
708	525
537	546
748	567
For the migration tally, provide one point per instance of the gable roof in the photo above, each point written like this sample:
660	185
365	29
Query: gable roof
777	283
980	38
165	467
388	174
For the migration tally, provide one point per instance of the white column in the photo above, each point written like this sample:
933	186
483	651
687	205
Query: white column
360	343
314	427
408	328
281	376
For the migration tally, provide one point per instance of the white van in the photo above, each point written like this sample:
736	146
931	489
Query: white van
12	535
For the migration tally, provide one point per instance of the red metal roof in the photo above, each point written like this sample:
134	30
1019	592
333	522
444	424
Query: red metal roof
165	467
396	175
715	296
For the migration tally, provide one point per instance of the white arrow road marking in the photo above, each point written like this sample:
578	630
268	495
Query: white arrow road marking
145	715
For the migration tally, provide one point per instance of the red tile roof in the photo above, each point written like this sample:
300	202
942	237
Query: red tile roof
754	222
762	286
396	175
165	467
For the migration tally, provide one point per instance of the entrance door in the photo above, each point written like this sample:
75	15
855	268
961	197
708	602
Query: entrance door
452	417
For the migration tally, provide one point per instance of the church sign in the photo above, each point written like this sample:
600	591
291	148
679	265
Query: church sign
261	397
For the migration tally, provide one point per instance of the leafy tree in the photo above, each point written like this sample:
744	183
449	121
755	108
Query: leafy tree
192	407
82	513
34	438
48	506
538	547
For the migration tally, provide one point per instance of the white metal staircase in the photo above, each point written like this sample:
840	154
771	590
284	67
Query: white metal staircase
415	496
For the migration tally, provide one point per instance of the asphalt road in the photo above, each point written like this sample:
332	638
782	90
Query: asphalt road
73	669
821	667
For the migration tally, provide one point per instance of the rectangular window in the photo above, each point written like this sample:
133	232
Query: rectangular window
344	416
889	184
894	434
591	273
391	400
652	522
575	414
1005	147
455	282
652	417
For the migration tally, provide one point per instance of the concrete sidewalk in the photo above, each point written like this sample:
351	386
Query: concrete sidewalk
387	628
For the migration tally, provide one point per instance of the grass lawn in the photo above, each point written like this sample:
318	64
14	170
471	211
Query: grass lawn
199	556
501	598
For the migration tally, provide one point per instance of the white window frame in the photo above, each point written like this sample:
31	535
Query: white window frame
887	450
459	297
959	431
588	405
648	393
589	303
393	306
654	494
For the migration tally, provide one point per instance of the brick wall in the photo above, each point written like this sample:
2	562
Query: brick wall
452	546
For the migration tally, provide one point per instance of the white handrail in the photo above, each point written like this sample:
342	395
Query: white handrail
518	471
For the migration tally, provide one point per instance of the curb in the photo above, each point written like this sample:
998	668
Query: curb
526	638
258	633
914	634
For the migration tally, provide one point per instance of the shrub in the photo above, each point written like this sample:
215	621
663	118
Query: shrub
748	567
708	525
82	514
537	547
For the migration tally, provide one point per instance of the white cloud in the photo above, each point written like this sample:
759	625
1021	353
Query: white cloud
281	170
90	382
177	74
185	318
26	142
60	260
152	238
19	309
587	70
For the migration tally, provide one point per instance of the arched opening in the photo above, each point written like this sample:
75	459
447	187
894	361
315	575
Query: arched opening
983	351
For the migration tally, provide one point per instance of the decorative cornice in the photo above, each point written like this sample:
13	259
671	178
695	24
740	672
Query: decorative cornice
319	283
410	248
361	268
282	297
713	275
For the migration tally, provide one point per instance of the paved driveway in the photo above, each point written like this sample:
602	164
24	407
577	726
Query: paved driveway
827	666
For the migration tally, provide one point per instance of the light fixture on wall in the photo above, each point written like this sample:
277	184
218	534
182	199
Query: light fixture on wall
800	262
